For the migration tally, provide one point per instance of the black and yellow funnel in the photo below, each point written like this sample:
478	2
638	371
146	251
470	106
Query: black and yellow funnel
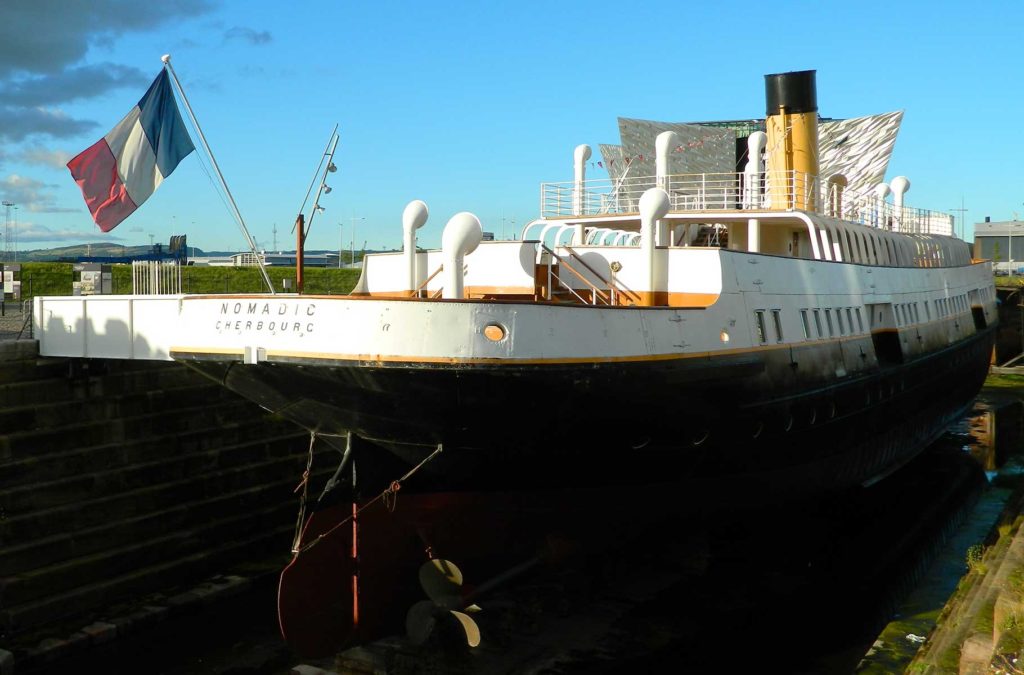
792	128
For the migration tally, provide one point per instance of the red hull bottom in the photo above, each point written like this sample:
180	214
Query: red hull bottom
327	598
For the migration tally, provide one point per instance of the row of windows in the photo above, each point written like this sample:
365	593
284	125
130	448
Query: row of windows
876	246
907	313
840	321
762	334
837	321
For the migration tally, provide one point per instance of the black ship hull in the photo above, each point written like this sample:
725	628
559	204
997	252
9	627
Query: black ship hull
767	420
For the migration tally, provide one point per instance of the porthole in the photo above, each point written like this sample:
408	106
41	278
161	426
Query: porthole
758	428
495	332
788	424
700	437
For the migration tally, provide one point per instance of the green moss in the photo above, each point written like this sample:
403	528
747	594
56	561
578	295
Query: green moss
950	660
975	556
1016	580
1004	381
985	621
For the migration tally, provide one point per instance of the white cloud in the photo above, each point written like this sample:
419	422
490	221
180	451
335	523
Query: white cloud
253	37
30	194
55	159
32	232
42	40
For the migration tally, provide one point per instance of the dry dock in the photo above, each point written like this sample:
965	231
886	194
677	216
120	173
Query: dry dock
146	512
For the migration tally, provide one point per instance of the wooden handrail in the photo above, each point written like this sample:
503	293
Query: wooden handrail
597	291
629	294
429	279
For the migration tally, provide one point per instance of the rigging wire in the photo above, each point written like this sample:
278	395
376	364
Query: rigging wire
213	161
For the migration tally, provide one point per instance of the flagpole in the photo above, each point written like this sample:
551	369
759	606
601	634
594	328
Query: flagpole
166	58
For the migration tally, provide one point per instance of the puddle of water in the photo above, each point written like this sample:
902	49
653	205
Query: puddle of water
989	440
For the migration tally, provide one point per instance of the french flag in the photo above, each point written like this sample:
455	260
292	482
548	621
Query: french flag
122	169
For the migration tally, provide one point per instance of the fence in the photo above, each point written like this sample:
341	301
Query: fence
780	190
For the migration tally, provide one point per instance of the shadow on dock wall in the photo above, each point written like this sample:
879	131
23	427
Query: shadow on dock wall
122	478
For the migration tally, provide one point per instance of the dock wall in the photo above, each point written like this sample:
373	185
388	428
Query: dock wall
121	478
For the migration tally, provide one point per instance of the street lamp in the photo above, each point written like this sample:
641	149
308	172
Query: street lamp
352	255
7	229
1009	246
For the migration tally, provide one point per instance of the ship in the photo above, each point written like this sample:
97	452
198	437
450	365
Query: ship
771	326
742	310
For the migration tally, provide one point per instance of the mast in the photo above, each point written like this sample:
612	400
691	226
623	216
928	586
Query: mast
166	58
302	226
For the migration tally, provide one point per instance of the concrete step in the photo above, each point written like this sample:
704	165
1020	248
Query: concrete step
100	509
171	463
106	590
48	468
73	517
145	551
14	373
65	545
54	415
83	434
46	380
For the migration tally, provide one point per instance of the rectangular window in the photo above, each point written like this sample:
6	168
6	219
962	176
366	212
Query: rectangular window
860	321
917	314
927	312
849	318
839	321
777	320
828	320
806	325
759	325
899	317
817	322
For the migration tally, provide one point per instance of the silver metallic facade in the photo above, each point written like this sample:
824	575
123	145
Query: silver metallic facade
859	148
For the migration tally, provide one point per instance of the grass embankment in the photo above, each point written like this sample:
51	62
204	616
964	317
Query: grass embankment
49	278
1005	382
1015	281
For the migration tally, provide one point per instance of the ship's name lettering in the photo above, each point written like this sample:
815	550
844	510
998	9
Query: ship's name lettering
272	317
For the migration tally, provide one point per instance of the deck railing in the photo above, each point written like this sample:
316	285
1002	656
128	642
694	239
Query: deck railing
728	192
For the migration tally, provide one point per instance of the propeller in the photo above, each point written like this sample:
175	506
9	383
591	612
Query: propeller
441	580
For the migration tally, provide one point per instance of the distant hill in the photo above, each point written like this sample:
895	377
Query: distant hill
87	250
104	249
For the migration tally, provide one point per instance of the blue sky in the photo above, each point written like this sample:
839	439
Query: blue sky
470	106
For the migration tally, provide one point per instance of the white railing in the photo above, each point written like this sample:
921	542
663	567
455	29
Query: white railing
155	277
777	191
